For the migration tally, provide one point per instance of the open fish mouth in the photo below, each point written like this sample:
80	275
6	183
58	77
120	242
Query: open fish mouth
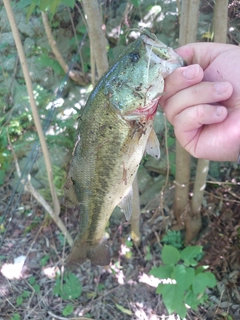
158	52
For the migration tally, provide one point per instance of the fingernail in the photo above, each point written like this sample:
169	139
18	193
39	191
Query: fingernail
191	72
220	87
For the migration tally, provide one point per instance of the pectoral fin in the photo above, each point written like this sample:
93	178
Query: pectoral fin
153	147
126	204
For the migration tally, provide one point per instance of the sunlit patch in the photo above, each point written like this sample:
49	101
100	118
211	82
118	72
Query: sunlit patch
124	250
117	270
56	104
50	272
14	270
149	279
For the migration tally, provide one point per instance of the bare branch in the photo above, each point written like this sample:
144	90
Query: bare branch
76	76
29	187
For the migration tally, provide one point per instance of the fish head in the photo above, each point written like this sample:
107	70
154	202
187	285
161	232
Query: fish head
136	81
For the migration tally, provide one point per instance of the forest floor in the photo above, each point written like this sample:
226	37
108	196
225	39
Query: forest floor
33	253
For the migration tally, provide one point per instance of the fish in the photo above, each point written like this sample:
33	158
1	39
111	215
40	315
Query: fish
115	130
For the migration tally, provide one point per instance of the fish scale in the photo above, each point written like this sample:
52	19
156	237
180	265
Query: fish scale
114	132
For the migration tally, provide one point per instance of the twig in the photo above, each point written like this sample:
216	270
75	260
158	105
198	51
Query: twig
36	118
63	318
76	76
76	40
29	187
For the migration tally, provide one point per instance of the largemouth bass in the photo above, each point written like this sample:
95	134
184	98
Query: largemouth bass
114	132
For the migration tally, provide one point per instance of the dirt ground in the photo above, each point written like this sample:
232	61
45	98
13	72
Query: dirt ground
124	290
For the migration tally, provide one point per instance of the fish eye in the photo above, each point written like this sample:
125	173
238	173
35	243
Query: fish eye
134	56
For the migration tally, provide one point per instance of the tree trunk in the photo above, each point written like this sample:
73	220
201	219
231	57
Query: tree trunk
187	33
220	19
96	35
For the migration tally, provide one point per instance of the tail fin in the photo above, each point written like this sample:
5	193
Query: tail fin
81	251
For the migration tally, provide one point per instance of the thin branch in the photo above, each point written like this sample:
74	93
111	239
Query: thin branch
29	187
76	40
36	118
136	213
76	76
63	318
98	39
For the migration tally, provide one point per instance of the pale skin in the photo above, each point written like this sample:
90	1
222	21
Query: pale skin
202	101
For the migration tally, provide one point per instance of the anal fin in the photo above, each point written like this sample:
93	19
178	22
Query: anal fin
126	204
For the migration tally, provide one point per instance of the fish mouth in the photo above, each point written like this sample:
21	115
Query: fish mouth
158	52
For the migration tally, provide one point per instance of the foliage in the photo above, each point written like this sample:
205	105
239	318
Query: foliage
173	238
44	5
15	316
68	309
44	260
5	157
183	284
123	310
25	294
68	287
34	285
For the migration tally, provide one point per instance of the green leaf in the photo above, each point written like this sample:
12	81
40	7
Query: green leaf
171	142
124	310
57	287
194	300
53	6
136	3
170	255
44	260
36	287
162	272
173	238
172	161
30	10
16	316
70	289
173	299
25	294
69	3
200	269
32	280
184	277
19	300
68	310
44	5
202	281
190	254
2	176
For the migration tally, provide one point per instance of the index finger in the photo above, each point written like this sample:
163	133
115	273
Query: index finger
202	53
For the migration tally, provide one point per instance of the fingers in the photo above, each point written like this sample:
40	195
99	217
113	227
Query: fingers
195	117
180	79
217	141
202	53
201	93
189	123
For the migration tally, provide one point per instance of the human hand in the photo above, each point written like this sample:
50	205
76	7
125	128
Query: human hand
202	101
